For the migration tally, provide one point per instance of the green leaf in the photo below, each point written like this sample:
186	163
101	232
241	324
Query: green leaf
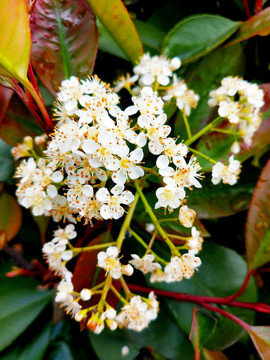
197	35
258	222
214	201
150	35
218	263
20	304
107	43
217	146
202	328
205	76
10	216
60	351
15	44
64	41
260	336
178	346
258	24
114	17
6	161
32	346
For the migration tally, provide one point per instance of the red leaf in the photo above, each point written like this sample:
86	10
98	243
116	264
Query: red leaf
17	123
258	222
5	97
260	335
258	24
64	40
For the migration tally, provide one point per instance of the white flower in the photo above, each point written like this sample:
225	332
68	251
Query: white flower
185	175
145	264
128	167
156	68
136	315
124	81
230	110
37	199
111	205
174	269
68	233
156	131
195	242
171	151
169	196
186	216
26	170
108	261
228	174
148	103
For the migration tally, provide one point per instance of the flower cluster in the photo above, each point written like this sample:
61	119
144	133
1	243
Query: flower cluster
240	102
88	167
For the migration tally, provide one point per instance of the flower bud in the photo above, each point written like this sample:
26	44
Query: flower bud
85	294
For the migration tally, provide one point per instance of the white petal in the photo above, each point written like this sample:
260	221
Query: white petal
105	212
87	190
57	177
90	146
52	191
117	189
102	195
127	197
144	122
162	162
112	251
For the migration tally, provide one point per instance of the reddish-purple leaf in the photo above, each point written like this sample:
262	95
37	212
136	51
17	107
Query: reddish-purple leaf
258	222
64	40
5	97
258	24
214	355
260	335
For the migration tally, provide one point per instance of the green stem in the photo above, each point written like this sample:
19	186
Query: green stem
204	130
107	285
169	219
196	152
120	297
187	125
140	240
155	220
127	222
224	131
151	171
93	247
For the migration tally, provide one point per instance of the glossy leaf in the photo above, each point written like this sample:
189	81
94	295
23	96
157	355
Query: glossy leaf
10	216
214	201
197	35
6	161
107	43
20	304
64	41
202	328
15	41
156	336
5	97
258	24
17	123
260	336
116	20
218	263
205	76
30	345
214	355
258	222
